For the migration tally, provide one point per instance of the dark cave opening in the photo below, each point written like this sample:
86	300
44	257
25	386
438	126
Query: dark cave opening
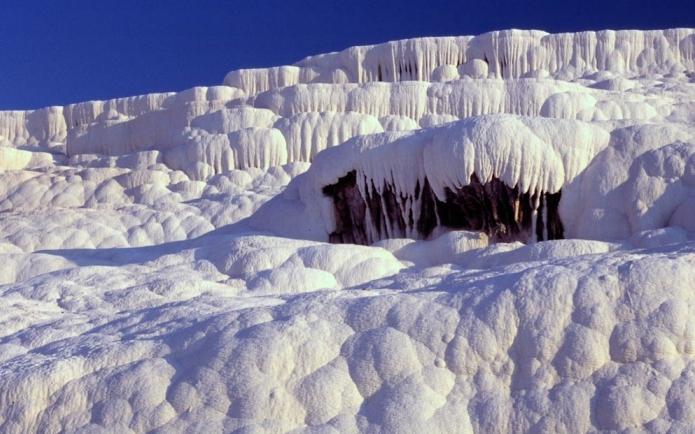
502	212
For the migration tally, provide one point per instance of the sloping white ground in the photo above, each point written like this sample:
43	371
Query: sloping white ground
163	265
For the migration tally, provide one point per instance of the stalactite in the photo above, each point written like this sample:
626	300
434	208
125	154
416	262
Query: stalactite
502	212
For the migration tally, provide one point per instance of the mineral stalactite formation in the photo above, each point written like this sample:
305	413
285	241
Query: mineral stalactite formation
500	211
165	262
502	175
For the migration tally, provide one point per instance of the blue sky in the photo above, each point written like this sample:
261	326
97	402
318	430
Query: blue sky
55	52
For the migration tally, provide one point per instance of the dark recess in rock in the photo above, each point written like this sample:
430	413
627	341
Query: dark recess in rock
500	211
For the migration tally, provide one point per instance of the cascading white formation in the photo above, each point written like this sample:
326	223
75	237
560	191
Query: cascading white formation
500	174
505	54
268	117
137	295
510	54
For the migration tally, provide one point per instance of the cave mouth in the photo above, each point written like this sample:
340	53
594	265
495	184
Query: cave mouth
502	212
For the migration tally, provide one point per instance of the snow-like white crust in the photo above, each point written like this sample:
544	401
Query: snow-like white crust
163	264
533	154
228	120
204	155
510	54
165	343
505	54
307	134
597	204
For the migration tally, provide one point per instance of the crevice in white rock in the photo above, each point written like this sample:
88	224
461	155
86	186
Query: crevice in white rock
500	211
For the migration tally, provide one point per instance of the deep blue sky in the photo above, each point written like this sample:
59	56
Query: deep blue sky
55	52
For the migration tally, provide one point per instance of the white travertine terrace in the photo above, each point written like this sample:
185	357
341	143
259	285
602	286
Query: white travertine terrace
164	264
507	53
510	54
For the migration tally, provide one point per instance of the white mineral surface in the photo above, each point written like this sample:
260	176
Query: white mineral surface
165	265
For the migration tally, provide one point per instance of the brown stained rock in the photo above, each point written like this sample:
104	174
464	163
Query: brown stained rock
500	211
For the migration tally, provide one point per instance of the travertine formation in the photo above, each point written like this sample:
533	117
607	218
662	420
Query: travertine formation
165	263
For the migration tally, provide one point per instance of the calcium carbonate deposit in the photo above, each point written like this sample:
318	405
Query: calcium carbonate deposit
484	234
